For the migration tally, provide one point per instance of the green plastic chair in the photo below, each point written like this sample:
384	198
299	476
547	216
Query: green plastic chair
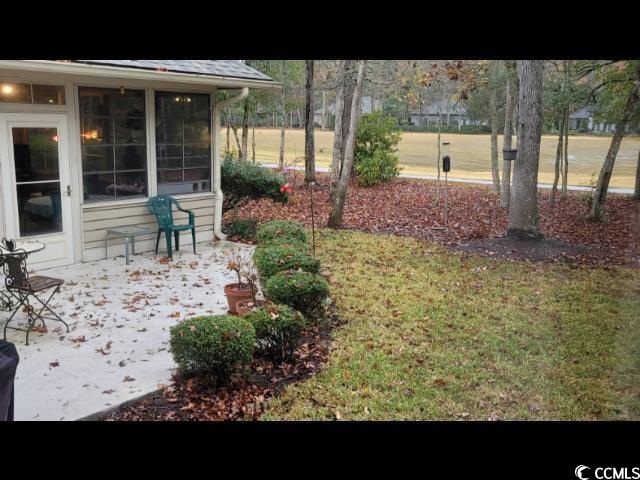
162	207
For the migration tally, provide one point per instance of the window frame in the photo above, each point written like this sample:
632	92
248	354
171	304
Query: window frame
127	199
210	127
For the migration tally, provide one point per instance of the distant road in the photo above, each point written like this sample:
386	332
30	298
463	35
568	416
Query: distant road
579	188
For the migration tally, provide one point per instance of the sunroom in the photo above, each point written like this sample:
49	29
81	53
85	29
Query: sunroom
85	143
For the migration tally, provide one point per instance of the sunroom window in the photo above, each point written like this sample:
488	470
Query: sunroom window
114	147
183	142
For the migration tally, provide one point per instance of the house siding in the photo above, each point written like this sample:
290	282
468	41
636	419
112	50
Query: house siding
97	219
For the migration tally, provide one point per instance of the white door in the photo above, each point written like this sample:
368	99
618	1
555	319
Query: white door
35	184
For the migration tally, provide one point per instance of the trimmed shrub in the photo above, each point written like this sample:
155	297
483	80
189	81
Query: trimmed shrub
212	344
271	259
380	167
244	181
302	291
244	228
281	231
278	329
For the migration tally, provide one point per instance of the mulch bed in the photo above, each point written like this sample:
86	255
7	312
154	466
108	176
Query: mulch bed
243	398
408	207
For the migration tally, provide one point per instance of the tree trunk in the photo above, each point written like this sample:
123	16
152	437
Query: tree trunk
565	173
235	135
493	111
283	99
636	192
324	107
523	209
556	172
602	187
245	131
344	95
335	219
253	139
309	148
505	193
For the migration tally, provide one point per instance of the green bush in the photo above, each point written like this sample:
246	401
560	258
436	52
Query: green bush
243	181
212	344
376	143
278	329
281	231
302	291
271	259
380	167
244	228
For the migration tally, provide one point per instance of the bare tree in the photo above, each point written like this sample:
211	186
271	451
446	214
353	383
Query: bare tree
309	148
493	111
559	157
523	208
565	168
335	219
505	193
602	187
283	99
343	104
636	193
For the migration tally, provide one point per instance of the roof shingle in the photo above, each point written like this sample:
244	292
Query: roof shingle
218	68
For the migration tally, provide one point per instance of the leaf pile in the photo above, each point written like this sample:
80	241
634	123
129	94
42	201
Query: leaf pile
408	207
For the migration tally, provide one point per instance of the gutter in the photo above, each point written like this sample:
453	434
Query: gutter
217	161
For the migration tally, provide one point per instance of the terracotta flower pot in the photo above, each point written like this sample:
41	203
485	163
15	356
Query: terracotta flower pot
236	293
245	306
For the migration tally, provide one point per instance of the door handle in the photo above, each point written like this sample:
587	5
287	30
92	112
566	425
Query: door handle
68	190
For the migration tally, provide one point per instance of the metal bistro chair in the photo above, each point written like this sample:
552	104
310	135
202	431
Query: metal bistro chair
162	207
24	288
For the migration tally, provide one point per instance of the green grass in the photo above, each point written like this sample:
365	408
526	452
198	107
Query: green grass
470	154
430	335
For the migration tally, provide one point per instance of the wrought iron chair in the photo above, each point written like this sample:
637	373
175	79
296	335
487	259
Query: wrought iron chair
23	289
162	207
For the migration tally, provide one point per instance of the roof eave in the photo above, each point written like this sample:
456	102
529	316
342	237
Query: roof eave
53	66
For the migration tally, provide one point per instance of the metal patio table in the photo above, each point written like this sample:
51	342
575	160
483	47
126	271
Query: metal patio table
129	234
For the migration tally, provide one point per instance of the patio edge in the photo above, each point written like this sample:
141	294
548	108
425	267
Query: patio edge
102	414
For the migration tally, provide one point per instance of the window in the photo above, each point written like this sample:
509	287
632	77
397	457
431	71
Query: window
114	148
183	143
32	93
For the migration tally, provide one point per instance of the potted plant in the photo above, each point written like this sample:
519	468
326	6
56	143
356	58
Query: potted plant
244	306
238	263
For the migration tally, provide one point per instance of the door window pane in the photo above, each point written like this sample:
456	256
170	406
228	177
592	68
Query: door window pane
183	138
114	156
39	208
35	153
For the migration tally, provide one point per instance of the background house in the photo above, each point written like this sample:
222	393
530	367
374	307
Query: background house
449	111
368	105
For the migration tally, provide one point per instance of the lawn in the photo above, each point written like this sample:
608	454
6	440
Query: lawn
470	154
432	335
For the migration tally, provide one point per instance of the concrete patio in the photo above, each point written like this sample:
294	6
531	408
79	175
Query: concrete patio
119	318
